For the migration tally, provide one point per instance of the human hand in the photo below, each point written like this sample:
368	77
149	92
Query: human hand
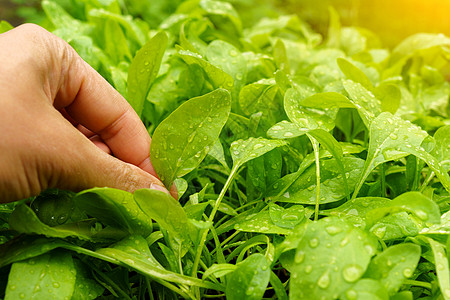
60	121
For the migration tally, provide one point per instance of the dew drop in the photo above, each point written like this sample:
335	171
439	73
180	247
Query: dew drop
344	242
407	272
288	134
299	257
333	229
258	146
12	287
55	285
308	269
22	296
314	242
352	272
324	280
250	290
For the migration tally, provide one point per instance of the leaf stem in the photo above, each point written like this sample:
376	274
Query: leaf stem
315	145
426	285
383	180
210	220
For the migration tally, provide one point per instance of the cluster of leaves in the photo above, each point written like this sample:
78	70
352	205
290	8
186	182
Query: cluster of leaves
306	168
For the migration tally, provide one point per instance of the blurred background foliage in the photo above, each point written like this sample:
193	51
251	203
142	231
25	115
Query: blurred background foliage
391	20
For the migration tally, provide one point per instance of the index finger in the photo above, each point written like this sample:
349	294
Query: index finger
93	102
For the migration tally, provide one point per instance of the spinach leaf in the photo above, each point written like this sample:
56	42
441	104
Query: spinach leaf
184	138
329	259
46	275
168	213
385	133
143	70
392	266
115	208
250	279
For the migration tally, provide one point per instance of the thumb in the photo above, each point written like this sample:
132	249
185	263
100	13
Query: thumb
86	166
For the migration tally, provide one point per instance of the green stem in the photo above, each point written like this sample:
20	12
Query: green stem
315	145
210	220
149	288
383	180
418	283
427	181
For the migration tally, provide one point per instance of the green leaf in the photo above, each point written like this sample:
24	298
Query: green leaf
365	102
354	74
168	213
305	117
250	279
86	288
442	150
46	277
394	265
219	79
389	96
366	289
390	138
262	97
25	247
442	267
263	223
5	26
245	150
303	189
184	138
329	259
115	208
143	70
327	100
228	58
24	220
415	203
286	130
286	218
134	254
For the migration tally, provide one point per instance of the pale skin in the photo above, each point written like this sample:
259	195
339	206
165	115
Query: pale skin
62	125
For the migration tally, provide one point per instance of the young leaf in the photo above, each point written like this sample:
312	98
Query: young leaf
168	213
415	203
442	267
331	256
115	208
218	78
354	74
390	138
245	150
389	96
442	150
394	265
286	130
143	70
305	117
365	102
184	138
24	220
44	276
250	279
366	289
332	189
134	254
86	288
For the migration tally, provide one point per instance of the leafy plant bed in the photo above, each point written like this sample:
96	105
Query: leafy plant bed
307	168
